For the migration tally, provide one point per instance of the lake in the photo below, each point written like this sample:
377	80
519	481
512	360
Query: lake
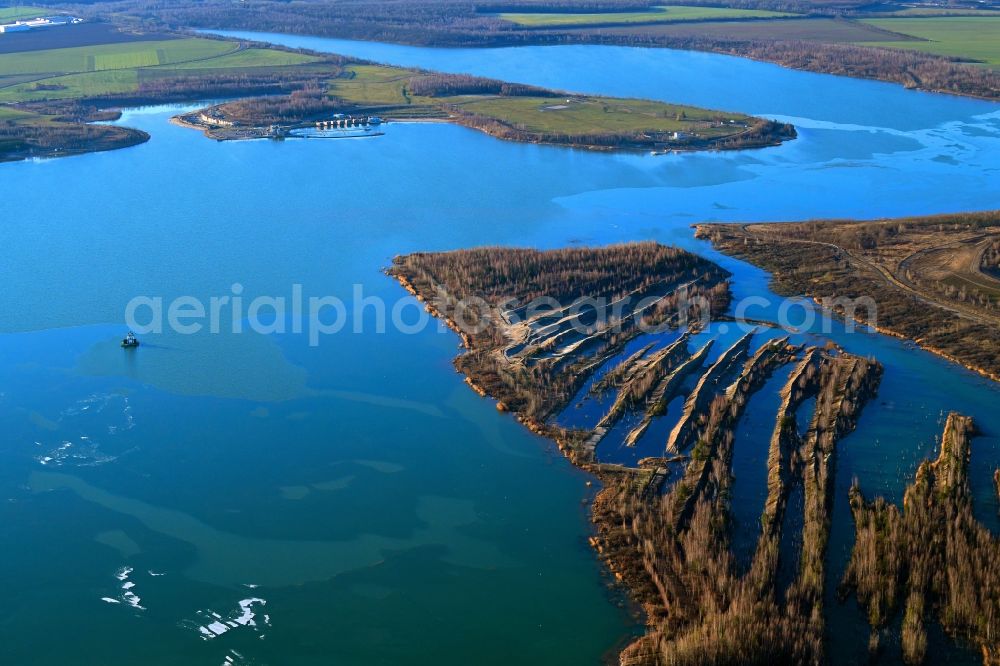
255	498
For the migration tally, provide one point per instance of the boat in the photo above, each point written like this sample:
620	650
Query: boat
130	340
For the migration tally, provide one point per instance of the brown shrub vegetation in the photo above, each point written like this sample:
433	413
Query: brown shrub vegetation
933	556
836	260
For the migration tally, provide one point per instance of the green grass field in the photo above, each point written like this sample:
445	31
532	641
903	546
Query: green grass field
249	58
88	71
8	14
7	113
971	38
73	86
376	85
944	11
596	115
664	13
144	58
373	84
795	29
112	56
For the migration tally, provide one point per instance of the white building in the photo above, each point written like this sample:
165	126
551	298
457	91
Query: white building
15	27
40	22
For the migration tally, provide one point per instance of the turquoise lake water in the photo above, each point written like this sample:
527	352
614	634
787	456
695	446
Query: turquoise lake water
354	502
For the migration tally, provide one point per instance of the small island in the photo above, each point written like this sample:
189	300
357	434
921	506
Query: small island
662	526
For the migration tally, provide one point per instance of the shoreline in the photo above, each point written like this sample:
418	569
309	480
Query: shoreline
484	360
600	488
986	374
625	500
776	135
181	122
125	137
731	48
636	609
888	332
659	524
773	254
132	137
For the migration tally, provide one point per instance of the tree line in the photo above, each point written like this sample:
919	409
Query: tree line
446	85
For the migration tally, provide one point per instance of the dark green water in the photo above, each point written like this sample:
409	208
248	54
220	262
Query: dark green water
361	502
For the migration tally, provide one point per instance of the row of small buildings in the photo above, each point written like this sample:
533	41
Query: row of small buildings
41	22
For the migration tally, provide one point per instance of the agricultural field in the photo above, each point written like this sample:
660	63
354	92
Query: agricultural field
72	86
797	29
110	69
252	57
64	37
944	11
666	13
44	83
969	38
8	14
112	56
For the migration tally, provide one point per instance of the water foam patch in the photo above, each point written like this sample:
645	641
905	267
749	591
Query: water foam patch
90	419
82	452
126	590
211	624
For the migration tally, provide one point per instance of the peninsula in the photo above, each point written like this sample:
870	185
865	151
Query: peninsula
50	97
663	526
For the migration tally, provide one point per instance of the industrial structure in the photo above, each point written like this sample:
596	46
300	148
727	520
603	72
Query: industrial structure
24	25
